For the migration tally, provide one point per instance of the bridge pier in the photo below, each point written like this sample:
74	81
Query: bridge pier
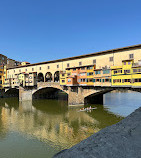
24	94
75	96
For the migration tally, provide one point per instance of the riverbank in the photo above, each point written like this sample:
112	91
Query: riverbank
122	140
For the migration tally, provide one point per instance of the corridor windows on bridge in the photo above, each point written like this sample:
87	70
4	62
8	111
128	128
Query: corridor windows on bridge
32	69
80	63
20	70
68	65
48	77
48	67
57	66
40	68
131	56
40	77
111	59
56	76
94	61
25	69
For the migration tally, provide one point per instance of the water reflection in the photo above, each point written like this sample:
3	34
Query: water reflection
52	122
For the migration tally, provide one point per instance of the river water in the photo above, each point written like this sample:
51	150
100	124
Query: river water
41	128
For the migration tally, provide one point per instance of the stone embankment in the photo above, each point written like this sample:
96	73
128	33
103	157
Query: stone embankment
122	140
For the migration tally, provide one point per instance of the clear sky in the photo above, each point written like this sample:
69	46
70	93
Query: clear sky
42	30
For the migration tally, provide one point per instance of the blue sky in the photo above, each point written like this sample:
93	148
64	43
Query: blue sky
42	30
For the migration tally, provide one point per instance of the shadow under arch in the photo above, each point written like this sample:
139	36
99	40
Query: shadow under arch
96	97
50	93
40	77
12	92
48	77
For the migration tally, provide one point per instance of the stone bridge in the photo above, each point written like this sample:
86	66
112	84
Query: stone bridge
76	94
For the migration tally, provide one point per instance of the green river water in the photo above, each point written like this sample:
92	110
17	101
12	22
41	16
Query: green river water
41	128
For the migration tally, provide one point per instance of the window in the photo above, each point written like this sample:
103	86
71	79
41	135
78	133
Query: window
82	68
124	63
48	67
89	67
63	81
111	59
63	74
80	63
69	80
19	70
25	69
135	70
90	74
94	61
97	72
14	71
40	68
131	56
32	69
82	74
119	71
126	71
129	63
106	71
68	65
57	66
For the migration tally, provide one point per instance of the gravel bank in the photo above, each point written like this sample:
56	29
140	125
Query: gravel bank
122	140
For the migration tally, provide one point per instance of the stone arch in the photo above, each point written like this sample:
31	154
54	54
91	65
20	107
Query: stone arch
12	92
56	76
47	92
48	77
95	97
40	77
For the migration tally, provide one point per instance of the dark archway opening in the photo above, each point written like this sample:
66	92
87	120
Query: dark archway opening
13	92
48	77
96	98
50	93
40	77
56	76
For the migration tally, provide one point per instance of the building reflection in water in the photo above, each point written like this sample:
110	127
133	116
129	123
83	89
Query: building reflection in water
52	121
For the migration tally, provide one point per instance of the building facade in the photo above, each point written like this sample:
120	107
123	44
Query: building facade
74	70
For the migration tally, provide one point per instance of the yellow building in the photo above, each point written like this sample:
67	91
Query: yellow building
90	75
63	77
136	74
122	75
